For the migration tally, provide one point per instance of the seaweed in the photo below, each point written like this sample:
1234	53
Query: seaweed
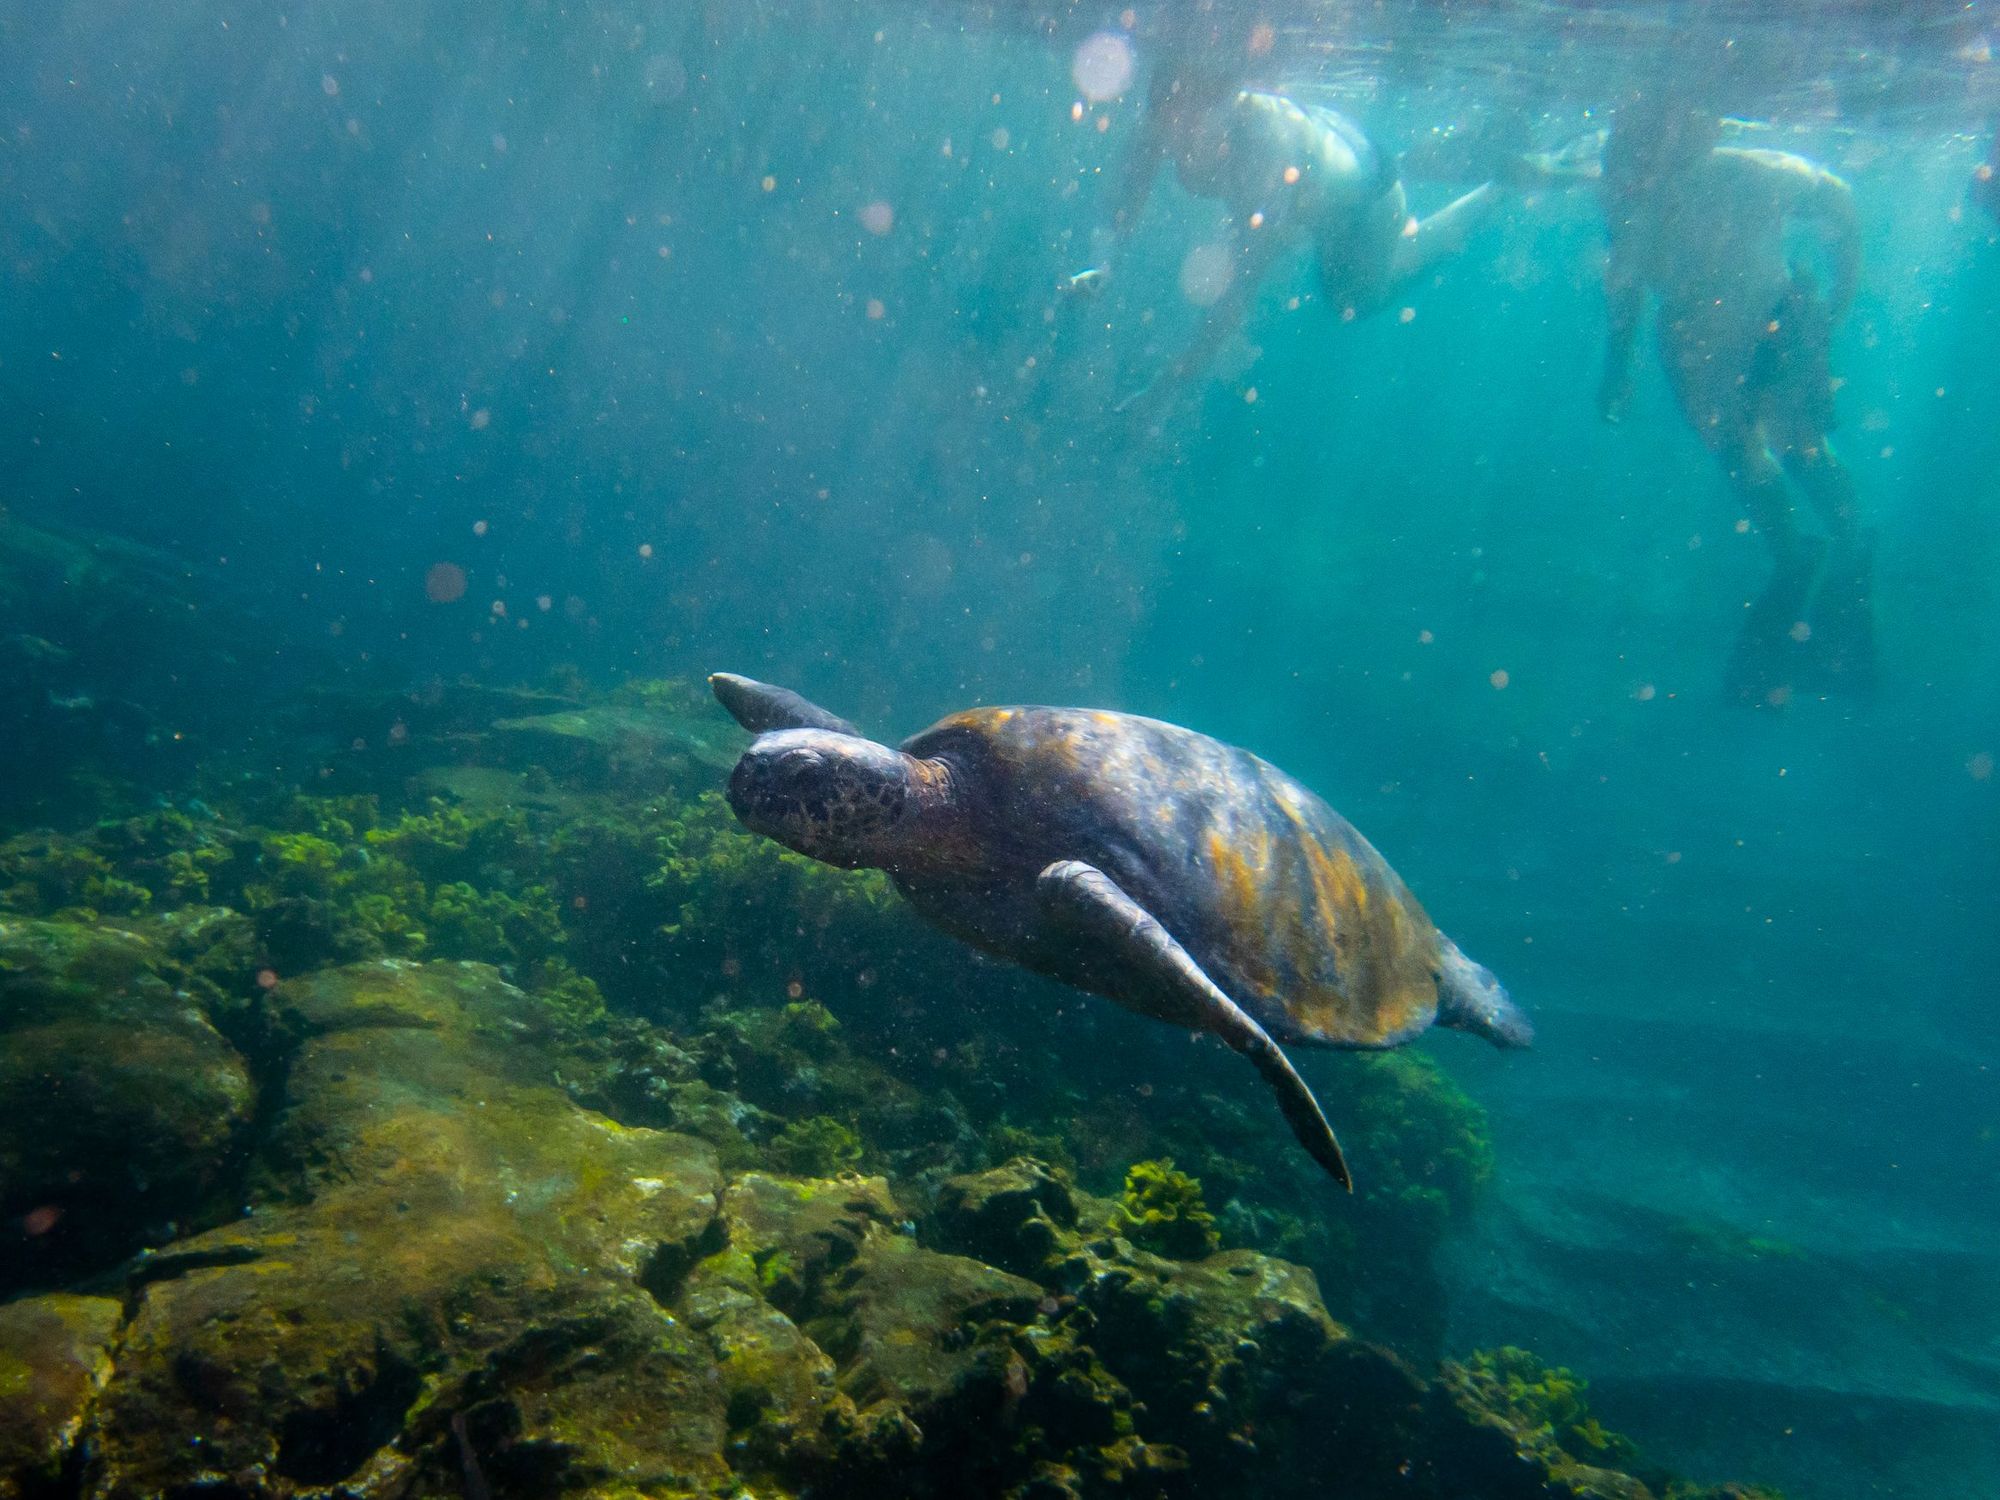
1162	1210
1543	1406
817	1147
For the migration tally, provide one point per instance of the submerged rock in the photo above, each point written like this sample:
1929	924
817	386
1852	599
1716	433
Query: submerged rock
454	1264
55	1355
121	1106
455	1280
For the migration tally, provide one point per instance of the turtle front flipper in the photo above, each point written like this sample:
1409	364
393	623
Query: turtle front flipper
1170	986
760	708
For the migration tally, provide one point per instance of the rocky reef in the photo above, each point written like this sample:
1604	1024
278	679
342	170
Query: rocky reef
455	1129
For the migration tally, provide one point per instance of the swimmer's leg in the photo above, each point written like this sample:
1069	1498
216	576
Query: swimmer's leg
1255	251
1841	615
1442	235
1792	385
1765	664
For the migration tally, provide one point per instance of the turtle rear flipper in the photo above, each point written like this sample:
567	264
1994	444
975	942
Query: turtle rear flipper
1471	999
1089	903
760	708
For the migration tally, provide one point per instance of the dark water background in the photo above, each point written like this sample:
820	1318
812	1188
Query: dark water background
582	301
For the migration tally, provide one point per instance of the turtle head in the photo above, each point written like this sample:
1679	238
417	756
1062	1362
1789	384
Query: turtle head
838	798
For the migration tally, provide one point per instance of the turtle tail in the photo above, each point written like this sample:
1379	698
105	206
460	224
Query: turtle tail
1471	999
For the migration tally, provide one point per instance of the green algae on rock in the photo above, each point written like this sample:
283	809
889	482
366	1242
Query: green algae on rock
552	1239
121	1106
55	1356
1162	1210
442	1231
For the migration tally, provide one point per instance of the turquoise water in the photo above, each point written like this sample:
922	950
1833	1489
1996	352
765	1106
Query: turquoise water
704	337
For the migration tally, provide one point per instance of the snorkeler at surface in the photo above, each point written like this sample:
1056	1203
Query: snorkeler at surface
1289	174
1743	336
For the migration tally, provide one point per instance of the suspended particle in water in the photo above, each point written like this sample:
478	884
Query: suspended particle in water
39	1221
1499	679
645	549
1645	692
1800	631
267	979
444	583
1205	274
481	418
479	528
329	85
878	217
1980	766
1102	67
876	309
544	602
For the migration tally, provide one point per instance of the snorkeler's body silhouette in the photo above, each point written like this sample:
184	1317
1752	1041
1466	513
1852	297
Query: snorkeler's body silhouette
1743	336
1291	174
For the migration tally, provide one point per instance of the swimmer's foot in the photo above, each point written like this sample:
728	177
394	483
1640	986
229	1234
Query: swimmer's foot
1770	661
1843	621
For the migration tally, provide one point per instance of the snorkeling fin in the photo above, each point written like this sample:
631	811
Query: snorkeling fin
1769	658
1843	620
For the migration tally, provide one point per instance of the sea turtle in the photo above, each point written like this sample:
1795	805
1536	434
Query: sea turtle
1178	876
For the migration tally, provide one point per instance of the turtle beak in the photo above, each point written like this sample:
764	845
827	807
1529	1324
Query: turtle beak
773	777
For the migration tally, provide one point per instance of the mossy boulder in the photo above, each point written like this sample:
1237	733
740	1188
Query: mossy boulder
1509	1416
1021	1215
1230	1361
55	1355
442	1235
121	1107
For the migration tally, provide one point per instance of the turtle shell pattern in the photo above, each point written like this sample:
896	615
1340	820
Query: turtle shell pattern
1280	899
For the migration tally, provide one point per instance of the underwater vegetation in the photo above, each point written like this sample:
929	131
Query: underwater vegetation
455	1126
1162	1210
